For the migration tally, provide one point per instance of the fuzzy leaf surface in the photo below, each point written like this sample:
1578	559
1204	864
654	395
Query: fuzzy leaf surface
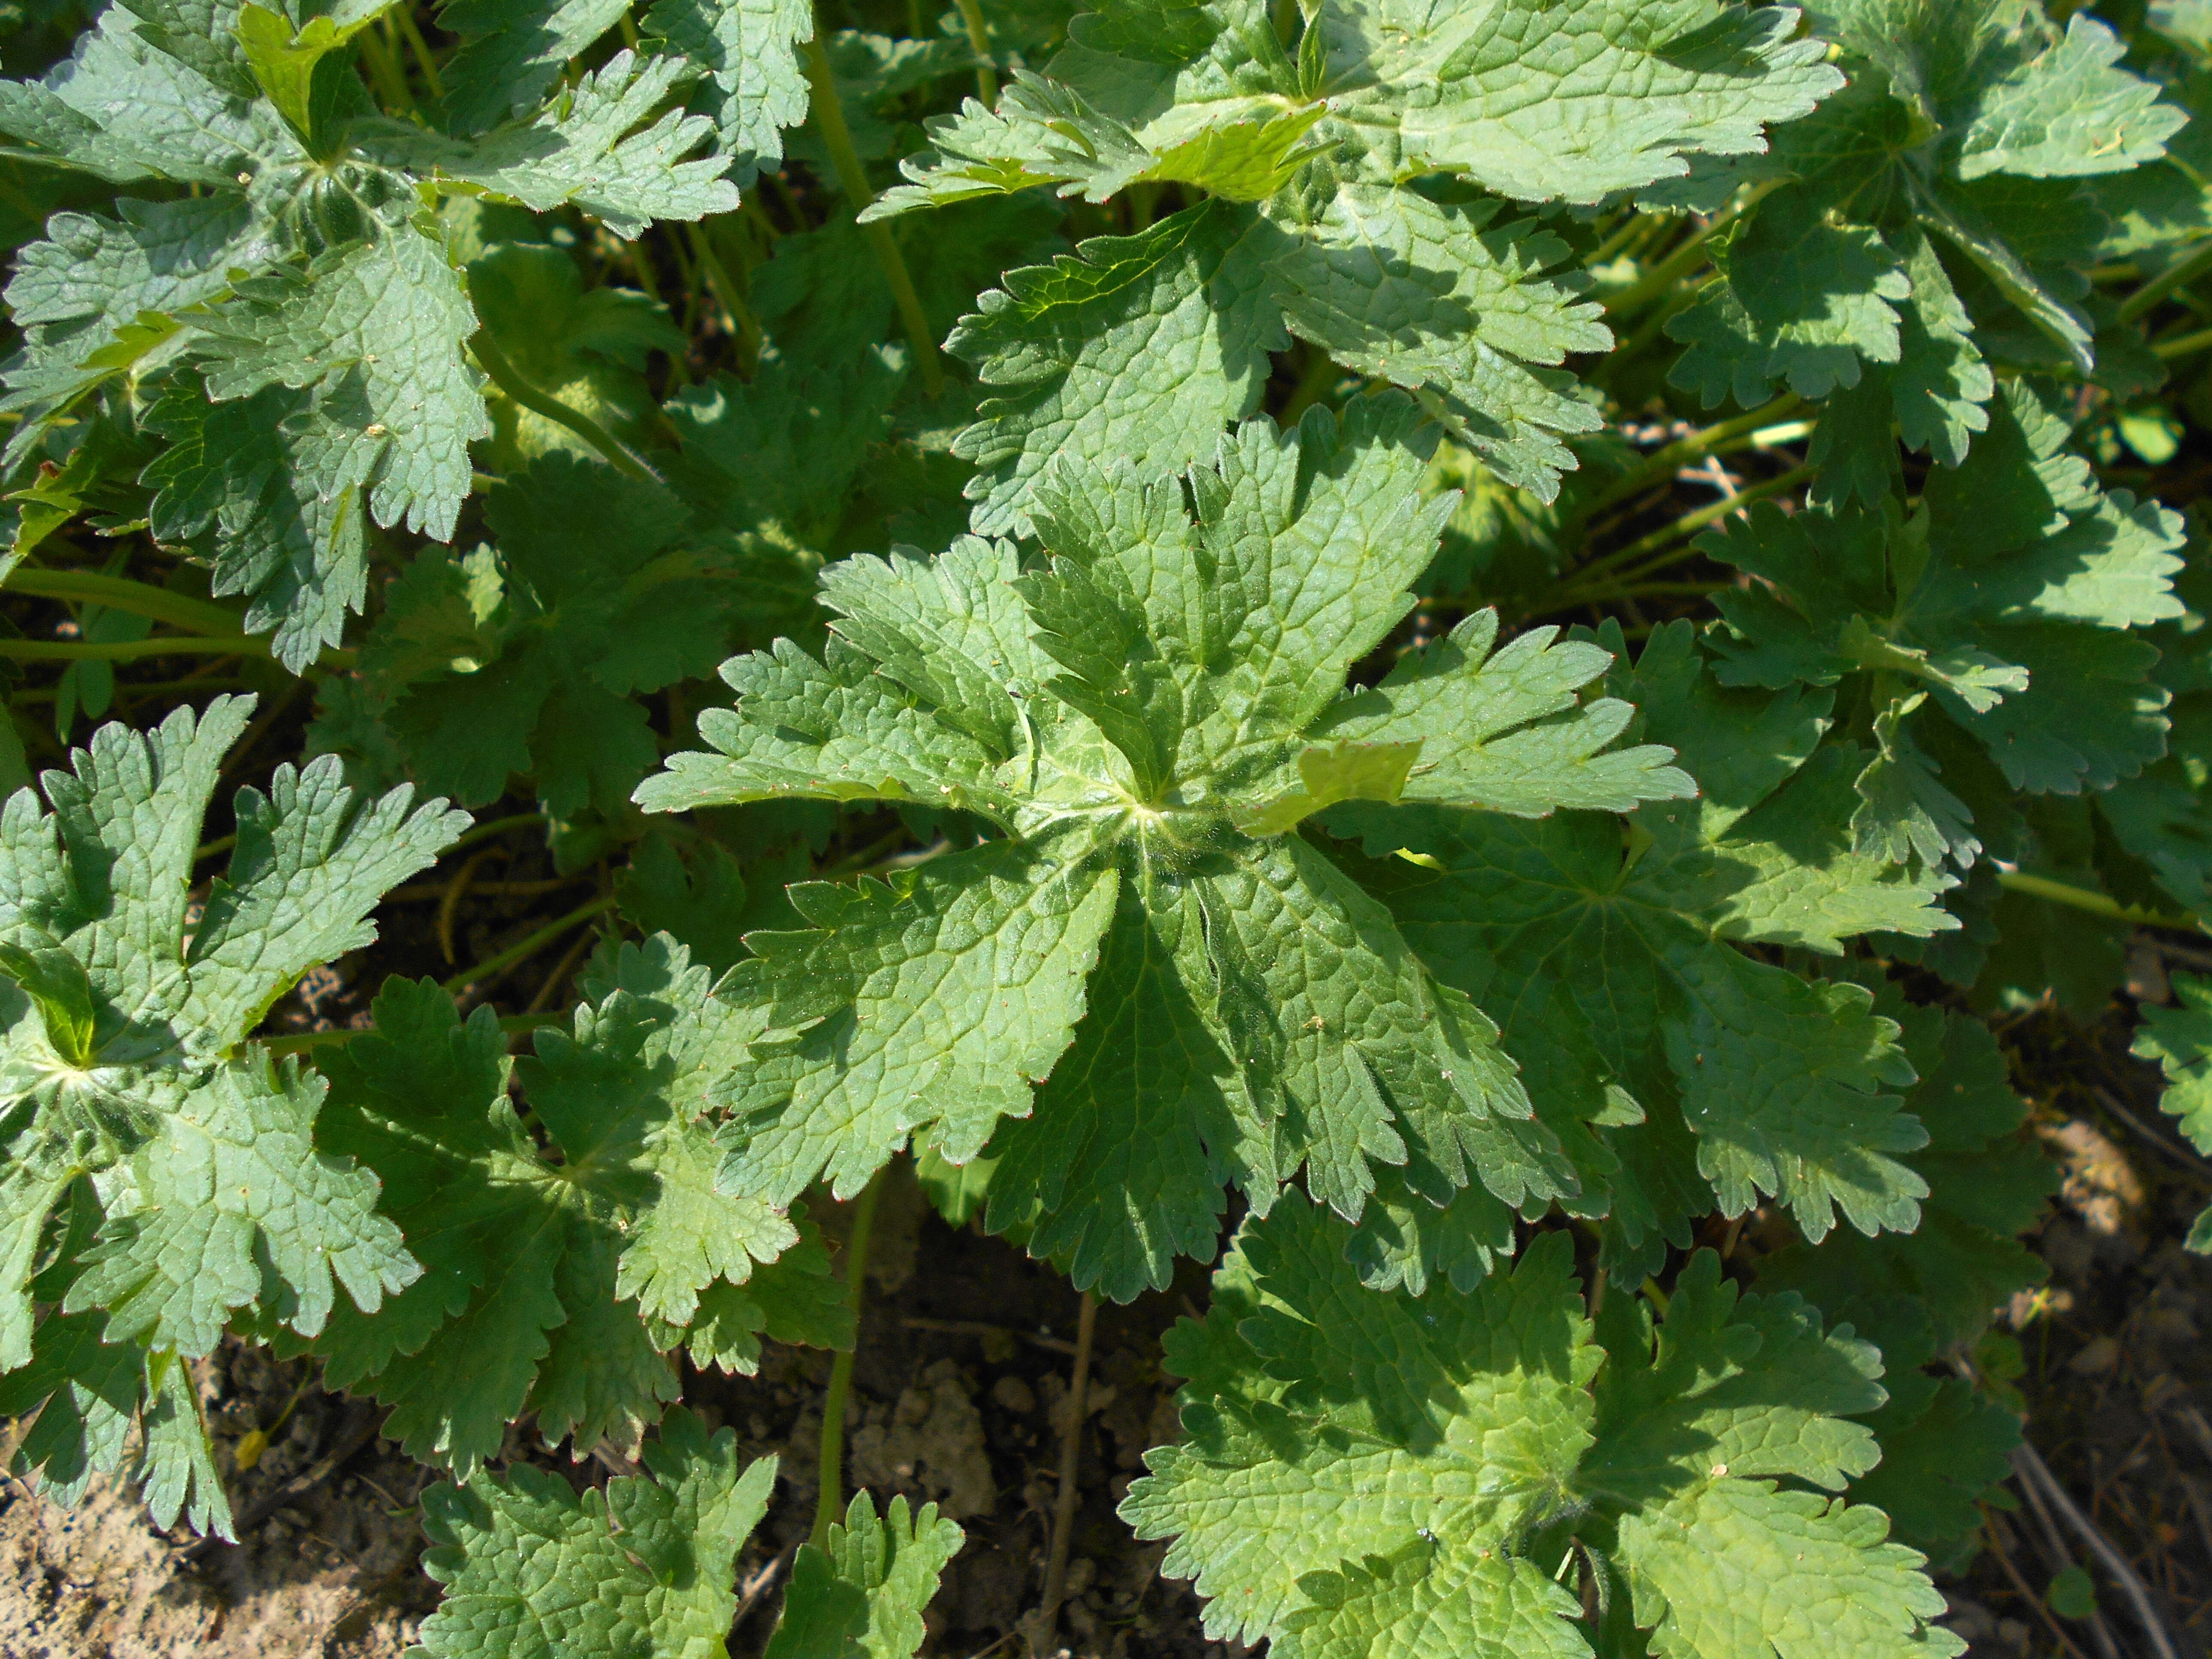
1126	991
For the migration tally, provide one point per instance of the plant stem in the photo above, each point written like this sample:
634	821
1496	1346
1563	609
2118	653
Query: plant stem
1666	463
1685	256
742	323
2186	269
512	1024
383	69
830	1502
1666	535
2095	905
121	593
838	138
503	376
170	645
2182	345
404	16
523	950
1632	227
1071	1456
979	38
495	827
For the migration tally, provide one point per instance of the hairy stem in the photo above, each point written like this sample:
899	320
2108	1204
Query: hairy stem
742	323
495	827
2095	905
979	40
1585	588
2182	345
504	376
1687	254
404	16
306	1041
523	950
2185	269
384	68
829	1503
173	645
838	138
1664	464
121	593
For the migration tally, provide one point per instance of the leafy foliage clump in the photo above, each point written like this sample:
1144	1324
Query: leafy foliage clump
1126	604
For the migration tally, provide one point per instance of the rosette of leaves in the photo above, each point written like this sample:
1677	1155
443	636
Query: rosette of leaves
162	1176
1352	191
1371	1475
1926	223
1993	620
645	1567
560	1278
522	657
1682	1073
296	312
1145	984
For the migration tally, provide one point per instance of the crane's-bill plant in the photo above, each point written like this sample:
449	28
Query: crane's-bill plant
1241	745
1146	710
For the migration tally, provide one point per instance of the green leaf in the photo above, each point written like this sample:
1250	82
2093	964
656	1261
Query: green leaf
1680	1072
1361	1469
522	657
1427	295
92	298
229	1187
123	1063
124	108
295	68
1986	1186
238	481
861	1595
609	145
511	51
376	330
1347	771
751	49
2067	110
553	1284
1128	999
2180	1040
1052	344
1526	101
647	1565
1964	125
1310	225
2005	599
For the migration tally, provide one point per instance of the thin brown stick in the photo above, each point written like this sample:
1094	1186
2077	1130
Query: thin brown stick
2034	1473
1071	1456
2005	1560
